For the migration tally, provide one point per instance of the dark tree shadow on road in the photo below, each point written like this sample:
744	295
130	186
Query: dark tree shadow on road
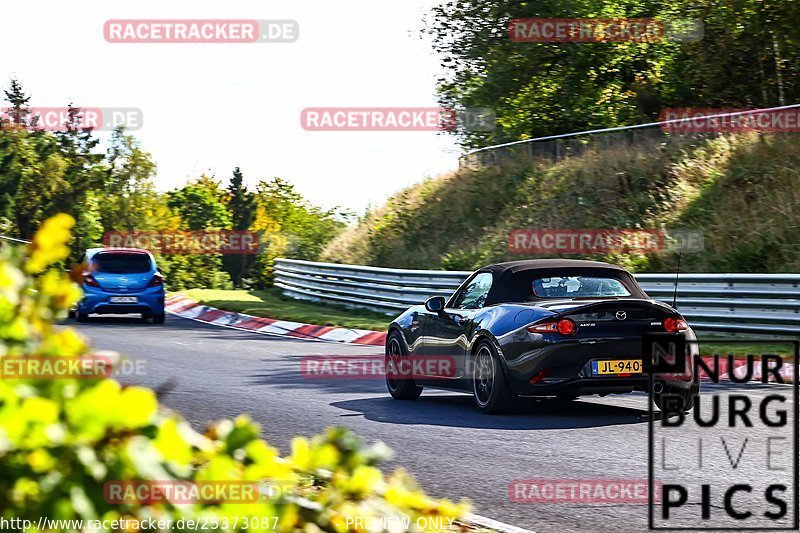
287	375
458	410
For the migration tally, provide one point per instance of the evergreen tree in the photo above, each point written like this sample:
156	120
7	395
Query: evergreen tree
19	111
242	207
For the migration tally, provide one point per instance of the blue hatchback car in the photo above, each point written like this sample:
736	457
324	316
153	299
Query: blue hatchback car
121	281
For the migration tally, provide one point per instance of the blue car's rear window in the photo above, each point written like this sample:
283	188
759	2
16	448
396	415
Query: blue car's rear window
121	263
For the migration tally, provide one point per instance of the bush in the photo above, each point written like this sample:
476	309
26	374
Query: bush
62	440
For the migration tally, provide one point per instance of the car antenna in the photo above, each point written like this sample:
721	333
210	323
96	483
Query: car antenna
677	277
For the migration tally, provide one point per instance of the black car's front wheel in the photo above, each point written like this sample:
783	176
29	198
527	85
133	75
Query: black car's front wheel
401	384
489	386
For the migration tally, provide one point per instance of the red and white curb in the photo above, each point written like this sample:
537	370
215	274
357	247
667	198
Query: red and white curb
740	370
187	308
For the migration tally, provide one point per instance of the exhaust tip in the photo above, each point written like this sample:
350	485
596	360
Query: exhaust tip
658	387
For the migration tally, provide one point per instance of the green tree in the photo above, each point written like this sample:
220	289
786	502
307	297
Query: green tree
242	207
84	172
200	205
130	195
290	226
31	174
20	111
749	56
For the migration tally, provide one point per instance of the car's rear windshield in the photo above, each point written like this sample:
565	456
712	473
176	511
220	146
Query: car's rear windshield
119	263
578	287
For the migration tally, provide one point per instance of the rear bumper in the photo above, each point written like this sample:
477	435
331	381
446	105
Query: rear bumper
603	386
149	301
565	367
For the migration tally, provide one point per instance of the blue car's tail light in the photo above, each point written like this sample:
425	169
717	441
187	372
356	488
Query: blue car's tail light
565	327
157	281
89	280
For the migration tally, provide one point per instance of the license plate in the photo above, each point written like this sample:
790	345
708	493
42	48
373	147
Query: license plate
123	299
615	367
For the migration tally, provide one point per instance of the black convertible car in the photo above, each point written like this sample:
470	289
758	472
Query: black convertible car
545	327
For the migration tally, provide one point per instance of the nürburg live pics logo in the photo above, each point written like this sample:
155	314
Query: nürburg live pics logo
730	461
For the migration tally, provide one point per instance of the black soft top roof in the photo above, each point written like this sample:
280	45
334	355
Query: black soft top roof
512	280
535	264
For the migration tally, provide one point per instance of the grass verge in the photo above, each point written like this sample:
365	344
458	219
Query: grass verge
271	303
741	350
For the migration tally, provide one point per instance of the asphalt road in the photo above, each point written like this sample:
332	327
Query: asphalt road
453	450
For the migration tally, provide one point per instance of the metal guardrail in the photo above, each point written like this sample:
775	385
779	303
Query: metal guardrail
12	239
746	303
557	147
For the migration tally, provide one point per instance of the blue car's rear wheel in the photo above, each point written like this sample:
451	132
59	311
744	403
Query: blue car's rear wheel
159	319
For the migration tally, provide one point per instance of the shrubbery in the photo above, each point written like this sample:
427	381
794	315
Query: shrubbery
61	440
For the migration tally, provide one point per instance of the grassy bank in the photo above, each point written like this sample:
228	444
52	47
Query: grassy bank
741	349
741	191
272	304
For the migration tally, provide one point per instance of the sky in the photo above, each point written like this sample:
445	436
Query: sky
210	107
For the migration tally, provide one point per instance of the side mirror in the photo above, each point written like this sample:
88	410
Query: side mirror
435	304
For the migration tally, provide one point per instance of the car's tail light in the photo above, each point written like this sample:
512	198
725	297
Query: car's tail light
674	325
157	280
89	280
565	326
538	378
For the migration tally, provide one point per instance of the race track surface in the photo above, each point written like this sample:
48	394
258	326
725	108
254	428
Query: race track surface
454	451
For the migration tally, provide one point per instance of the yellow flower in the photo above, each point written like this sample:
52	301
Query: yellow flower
50	243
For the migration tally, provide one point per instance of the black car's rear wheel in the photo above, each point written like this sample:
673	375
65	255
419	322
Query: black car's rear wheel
489	386
401	387
685	398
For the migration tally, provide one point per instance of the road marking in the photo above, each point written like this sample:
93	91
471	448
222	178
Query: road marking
494	524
